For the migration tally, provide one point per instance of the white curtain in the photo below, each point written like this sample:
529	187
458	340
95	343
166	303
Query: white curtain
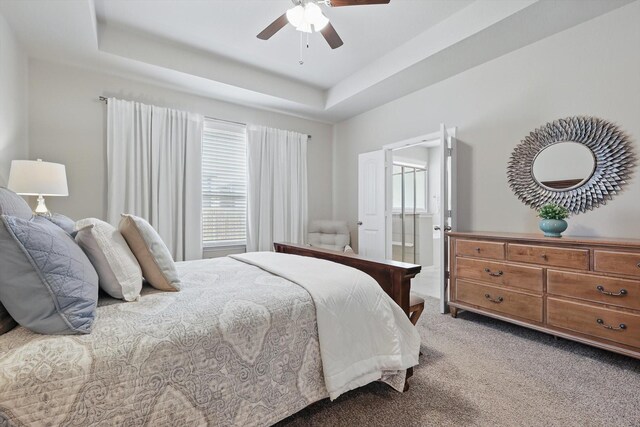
154	171
277	187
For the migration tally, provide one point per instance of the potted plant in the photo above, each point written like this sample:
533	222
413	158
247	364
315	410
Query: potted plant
552	219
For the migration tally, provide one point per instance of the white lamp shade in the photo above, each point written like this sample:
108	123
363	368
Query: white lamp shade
295	15
305	27
320	22
313	13
38	178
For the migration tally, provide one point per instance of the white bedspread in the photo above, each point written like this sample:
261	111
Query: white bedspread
362	332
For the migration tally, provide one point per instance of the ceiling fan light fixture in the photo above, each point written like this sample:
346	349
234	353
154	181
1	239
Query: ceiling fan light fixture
320	22
307	18
295	15
305	27
312	12
314	16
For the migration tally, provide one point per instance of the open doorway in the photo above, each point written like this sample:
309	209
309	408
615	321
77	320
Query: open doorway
416	208
395	225
420	207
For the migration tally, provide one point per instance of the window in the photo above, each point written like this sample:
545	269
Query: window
224	184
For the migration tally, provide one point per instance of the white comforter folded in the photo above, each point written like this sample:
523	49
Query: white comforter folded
361	330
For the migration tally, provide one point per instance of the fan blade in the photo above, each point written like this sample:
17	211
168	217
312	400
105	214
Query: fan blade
274	27
331	36
340	3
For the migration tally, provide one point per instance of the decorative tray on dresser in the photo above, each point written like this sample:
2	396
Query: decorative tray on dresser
583	289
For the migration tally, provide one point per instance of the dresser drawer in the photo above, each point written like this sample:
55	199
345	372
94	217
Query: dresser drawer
627	263
480	249
589	287
500	299
500	273
547	255
594	320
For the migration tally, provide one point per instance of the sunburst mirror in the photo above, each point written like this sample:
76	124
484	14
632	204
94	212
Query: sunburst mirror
577	162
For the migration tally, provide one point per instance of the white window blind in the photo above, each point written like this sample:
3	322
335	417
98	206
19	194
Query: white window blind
224	183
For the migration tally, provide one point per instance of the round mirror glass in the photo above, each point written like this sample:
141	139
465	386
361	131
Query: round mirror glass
563	166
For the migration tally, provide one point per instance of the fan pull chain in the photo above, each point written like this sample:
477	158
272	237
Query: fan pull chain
301	60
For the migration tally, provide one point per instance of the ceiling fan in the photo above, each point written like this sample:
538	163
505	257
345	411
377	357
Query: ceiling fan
307	16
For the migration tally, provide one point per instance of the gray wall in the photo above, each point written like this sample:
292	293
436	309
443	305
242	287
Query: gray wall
591	69
13	101
67	125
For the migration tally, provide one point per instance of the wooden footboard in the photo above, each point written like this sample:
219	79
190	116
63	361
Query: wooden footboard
394	277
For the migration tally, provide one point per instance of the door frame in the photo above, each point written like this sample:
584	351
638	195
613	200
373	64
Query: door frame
388	155
388	149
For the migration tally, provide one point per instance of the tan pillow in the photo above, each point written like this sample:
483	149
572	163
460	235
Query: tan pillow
152	254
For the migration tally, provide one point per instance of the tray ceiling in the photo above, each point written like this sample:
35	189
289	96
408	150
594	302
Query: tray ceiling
210	47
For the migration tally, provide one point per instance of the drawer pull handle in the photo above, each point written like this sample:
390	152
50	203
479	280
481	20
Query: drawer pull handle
621	327
497	300
494	274
478	250
543	256
620	293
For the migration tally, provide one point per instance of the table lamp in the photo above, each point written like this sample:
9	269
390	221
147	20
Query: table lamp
38	178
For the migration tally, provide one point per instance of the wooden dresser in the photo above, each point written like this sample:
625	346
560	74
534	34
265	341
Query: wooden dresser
583	289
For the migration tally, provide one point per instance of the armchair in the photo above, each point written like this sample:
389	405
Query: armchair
327	234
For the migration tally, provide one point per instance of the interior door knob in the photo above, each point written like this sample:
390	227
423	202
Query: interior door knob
437	228
359	222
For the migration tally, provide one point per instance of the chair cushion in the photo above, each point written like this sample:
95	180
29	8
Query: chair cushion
328	234
13	205
47	283
118	270
153	255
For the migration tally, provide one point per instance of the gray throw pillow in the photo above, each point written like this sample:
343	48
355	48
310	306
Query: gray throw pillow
14	205
47	283
64	222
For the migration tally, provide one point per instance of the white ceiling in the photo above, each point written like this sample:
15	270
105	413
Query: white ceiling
209	47
229	28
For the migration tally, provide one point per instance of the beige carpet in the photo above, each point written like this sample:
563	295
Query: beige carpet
479	371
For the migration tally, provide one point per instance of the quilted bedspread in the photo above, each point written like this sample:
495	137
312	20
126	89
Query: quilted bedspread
237	346
350	308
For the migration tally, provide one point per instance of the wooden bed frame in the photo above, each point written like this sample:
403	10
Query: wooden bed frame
394	277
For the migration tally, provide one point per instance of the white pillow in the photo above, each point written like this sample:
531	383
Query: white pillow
118	270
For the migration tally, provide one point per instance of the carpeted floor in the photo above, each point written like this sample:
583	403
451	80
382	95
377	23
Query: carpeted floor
476	371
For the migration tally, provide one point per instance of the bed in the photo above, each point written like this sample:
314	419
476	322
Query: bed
238	345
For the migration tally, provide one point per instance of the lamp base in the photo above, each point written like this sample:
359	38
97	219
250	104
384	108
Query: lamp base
41	209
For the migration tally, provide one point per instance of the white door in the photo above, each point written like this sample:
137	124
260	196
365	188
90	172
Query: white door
447	220
371	205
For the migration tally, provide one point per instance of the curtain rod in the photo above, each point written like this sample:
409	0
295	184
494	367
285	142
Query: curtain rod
105	100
